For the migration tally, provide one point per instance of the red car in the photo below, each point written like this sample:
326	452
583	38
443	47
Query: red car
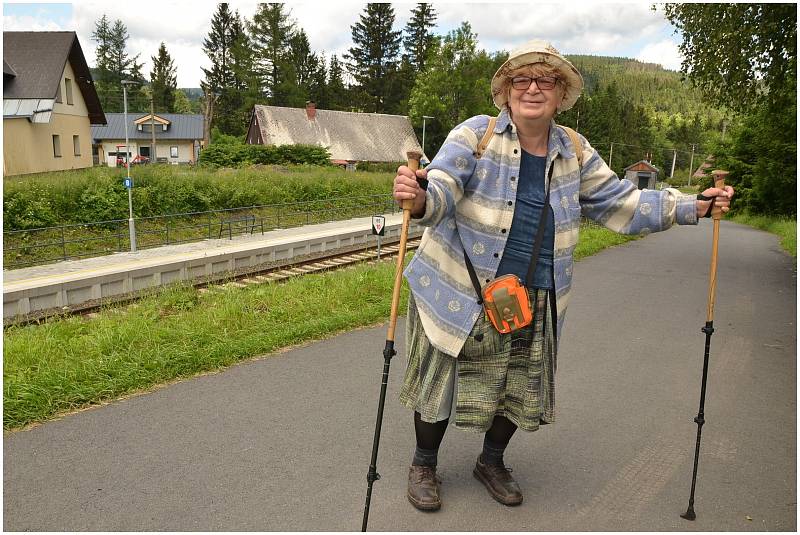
137	160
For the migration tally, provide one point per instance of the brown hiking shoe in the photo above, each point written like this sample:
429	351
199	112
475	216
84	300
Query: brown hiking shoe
498	481
423	488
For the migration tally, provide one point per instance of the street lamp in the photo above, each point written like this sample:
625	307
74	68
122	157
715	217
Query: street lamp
131	224
423	131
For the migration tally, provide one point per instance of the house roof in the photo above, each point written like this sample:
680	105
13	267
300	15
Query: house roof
371	137
701	171
642	165
181	126
34	62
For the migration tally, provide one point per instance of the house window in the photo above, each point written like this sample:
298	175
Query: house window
163	128
140	128
56	146
68	90
76	145
173	152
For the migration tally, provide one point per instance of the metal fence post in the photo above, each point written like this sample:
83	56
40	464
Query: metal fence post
167	226
209	225
63	244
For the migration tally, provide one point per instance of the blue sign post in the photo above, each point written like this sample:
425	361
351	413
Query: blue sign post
128	183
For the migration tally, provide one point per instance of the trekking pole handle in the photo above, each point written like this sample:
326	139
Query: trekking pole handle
719	182
414	158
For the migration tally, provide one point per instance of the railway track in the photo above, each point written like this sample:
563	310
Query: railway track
240	278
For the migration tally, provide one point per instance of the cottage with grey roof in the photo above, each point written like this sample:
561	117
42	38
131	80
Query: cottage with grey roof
349	137
173	137
49	102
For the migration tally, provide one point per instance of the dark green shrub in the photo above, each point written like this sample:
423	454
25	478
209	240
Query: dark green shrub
240	155
29	208
379	167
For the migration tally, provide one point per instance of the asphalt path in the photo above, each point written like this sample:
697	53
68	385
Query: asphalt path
283	442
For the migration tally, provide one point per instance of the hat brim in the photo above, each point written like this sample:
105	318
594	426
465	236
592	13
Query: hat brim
573	78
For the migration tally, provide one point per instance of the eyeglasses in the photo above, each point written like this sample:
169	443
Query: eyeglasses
544	83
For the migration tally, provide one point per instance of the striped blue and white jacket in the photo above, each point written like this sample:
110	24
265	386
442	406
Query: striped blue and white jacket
470	205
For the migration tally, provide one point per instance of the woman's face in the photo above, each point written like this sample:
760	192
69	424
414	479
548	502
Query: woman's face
533	103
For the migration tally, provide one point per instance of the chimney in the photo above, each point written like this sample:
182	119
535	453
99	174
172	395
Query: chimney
311	110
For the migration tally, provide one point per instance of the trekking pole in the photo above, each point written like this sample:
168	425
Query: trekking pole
388	351
716	215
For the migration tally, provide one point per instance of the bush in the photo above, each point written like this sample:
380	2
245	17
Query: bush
241	155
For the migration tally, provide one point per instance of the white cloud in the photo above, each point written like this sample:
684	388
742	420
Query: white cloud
663	52
582	28
630	29
13	23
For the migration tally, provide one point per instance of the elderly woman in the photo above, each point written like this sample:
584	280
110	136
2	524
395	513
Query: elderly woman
483	211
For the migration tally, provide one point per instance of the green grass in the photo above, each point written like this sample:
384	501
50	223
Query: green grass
75	362
594	238
784	228
83	196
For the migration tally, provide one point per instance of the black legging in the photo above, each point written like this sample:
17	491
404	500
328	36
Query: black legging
429	436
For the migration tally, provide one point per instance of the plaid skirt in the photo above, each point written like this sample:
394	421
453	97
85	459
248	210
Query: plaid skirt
510	375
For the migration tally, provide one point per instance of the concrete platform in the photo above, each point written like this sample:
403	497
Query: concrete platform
74	282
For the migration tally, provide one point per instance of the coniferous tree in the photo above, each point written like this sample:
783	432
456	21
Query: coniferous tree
163	81
337	92
221	83
373	58
270	32
418	35
113	64
318	83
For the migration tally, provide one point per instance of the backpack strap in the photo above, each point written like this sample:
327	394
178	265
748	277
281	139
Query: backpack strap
572	134
485	139
576	143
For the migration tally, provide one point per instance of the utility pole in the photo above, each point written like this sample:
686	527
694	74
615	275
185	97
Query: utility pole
131	224
423	131
153	158
691	166
208	116
674	157
610	154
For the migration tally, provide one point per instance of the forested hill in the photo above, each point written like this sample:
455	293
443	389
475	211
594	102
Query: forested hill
647	85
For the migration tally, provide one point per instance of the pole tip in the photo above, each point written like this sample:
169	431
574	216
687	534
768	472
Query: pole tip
689	514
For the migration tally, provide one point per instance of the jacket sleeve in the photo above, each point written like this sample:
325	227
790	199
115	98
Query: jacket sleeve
622	207
450	170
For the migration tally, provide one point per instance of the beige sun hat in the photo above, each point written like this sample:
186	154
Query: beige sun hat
538	51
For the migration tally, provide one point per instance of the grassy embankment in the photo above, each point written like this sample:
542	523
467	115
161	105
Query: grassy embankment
97	194
784	228
75	362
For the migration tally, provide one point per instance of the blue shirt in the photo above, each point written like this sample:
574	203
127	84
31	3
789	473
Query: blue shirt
518	251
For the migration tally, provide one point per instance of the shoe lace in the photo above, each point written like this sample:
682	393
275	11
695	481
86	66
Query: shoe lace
500	469
426	472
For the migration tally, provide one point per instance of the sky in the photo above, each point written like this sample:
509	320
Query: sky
629	29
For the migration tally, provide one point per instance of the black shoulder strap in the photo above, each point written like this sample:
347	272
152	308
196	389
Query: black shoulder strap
537	245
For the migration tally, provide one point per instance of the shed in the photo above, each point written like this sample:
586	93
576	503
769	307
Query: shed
350	137
643	174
